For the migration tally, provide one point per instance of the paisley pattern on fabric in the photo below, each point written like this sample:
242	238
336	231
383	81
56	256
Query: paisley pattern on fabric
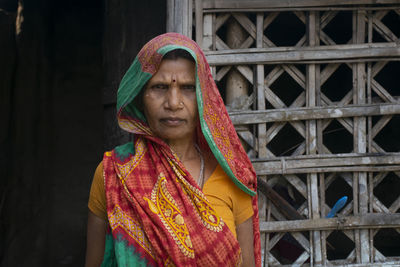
169	263
123	170
129	126
165	207
206	213
119	219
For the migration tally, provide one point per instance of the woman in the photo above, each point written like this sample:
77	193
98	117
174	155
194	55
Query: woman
183	192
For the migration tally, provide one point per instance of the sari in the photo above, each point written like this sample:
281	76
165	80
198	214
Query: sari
158	215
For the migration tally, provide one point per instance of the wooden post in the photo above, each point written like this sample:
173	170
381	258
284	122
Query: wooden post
370	175
180	17
236	84
199	22
205	29
311	133
360	133
262	151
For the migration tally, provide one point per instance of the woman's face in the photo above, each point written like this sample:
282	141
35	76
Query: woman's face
169	100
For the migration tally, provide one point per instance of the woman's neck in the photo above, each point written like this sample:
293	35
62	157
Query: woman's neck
185	150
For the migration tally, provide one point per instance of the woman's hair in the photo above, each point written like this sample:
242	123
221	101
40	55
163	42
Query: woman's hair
179	53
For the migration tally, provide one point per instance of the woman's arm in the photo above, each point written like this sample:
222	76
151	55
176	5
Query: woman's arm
96	236
245	237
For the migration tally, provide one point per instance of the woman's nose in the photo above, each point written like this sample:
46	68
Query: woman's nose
174	98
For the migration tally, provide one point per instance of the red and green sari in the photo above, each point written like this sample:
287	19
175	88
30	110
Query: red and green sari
157	213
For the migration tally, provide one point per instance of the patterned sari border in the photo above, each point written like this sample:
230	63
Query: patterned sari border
119	219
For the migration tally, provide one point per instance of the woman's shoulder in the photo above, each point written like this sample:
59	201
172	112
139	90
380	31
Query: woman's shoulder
220	186
125	152
219	179
122	151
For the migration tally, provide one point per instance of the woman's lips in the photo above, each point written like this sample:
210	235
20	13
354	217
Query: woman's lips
172	121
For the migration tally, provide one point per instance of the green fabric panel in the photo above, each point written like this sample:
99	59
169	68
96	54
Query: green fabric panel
109	253
124	151
118	253
134	112
130	86
127	255
165	49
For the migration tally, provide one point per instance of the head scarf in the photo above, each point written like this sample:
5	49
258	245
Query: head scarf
163	217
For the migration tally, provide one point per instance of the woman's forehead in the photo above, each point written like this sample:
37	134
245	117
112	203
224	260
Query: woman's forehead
180	68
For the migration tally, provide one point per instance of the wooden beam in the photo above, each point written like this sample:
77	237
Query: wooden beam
312	113
366	221
317	54
238	5
283	206
386	262
328	163
383	262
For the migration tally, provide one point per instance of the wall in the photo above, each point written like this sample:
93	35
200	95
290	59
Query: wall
53	75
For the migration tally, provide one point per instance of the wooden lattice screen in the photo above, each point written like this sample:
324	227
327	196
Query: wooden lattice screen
313	89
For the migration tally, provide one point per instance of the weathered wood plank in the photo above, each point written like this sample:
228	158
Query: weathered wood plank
317	54
179	17
387	262
220	20
262	144
384	31
304	9
310	113
379	168
326	160
207	40
199	22
257	4
311	84
360	186
170	21
365	221
381	92
284	207
382	262
327	163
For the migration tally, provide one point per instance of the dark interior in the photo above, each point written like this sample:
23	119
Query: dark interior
60	65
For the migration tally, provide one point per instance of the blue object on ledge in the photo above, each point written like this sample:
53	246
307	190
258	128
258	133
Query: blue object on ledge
338	206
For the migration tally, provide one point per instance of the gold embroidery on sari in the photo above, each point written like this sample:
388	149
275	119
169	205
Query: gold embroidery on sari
168	262
165	207
119	219
207	214
132	126
125	169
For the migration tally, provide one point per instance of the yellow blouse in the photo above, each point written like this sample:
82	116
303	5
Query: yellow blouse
231	204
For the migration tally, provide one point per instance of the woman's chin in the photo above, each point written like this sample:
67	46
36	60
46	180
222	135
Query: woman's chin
175	135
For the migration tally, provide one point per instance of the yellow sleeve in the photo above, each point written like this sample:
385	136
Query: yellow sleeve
242	206
97	197
232	204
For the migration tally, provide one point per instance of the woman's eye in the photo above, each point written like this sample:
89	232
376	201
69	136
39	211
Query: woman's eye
160	86
189	87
